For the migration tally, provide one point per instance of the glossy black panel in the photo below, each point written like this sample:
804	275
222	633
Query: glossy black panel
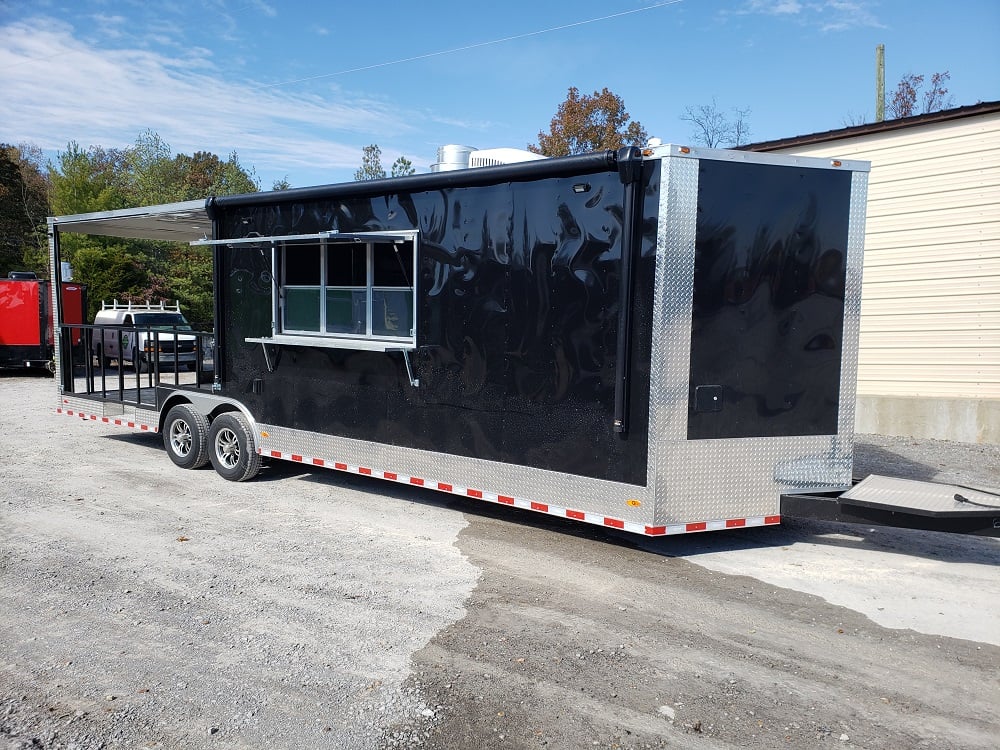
768	300
517	289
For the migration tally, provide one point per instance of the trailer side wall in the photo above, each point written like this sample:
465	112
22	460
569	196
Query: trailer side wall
518	300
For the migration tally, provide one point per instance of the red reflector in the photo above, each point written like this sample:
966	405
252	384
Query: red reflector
443	486
734	523
475	493
296	458
364	470
540	506
614	523
656	530
772	519
696	526
505	499
318	462
342	467
577	514
417	480
389	475
275	454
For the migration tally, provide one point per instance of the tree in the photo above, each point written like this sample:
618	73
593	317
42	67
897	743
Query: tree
585	123
904	98
371	164
851	119
98	179
205	174
282	184
402	167
713	128
83	181
24	204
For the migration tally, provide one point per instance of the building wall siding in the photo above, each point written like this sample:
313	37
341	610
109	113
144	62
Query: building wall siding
930	320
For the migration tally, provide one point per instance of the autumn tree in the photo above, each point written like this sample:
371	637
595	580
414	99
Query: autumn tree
204	174
904	102
585	123
714	128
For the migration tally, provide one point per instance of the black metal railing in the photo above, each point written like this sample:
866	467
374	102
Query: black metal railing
155	357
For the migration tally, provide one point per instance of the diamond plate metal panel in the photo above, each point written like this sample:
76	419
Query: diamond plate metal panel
671	344
552	488
731	478
852	306
114	410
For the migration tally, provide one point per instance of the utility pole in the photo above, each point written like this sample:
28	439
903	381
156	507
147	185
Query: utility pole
880	83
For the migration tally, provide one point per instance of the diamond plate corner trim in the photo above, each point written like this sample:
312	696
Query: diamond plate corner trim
852	310
671	345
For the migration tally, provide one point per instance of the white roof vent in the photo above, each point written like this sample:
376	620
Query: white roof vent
462	157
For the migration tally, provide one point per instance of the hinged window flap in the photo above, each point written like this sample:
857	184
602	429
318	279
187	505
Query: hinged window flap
330	236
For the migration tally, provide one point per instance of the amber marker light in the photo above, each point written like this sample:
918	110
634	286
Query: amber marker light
837	163
265	434
633	503
684	150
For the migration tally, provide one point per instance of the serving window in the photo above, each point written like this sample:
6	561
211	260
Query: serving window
360	287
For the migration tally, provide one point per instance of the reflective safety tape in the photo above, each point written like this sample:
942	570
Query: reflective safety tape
525	504
108	420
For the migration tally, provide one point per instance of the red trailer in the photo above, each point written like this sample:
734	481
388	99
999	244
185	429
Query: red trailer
26	339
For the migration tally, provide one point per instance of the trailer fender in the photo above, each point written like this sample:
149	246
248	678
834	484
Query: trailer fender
208	405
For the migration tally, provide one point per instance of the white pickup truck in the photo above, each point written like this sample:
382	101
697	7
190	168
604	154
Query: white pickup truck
147	332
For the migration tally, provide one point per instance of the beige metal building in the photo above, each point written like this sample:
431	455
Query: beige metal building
930	318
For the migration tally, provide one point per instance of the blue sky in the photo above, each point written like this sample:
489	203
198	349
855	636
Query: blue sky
299	88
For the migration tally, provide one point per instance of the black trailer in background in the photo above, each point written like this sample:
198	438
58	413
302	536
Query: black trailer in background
660	341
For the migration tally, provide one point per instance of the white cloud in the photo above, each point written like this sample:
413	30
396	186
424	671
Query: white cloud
775	7
828	15
59	87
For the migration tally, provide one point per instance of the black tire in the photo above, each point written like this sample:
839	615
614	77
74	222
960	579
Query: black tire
231	448
185	436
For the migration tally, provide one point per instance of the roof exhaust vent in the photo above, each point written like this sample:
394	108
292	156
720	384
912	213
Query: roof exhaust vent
463	157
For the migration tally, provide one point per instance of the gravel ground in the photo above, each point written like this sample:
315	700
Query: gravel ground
145	606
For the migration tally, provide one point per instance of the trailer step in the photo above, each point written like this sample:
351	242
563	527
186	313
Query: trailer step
906	503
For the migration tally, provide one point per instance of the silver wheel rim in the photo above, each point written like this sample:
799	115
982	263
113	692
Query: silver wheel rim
227	448
180	437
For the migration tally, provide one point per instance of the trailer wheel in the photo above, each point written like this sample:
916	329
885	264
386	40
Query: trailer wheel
231	448
185	436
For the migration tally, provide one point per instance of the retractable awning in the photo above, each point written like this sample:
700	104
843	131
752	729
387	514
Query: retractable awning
186	221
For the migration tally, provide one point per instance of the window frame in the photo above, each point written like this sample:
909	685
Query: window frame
328	243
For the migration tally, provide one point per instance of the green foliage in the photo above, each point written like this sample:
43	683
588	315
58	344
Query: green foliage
371	164
83	181
110	270
585	123
147	173
24	204
402	167
282	184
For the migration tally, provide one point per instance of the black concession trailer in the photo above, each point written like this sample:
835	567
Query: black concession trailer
660	340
